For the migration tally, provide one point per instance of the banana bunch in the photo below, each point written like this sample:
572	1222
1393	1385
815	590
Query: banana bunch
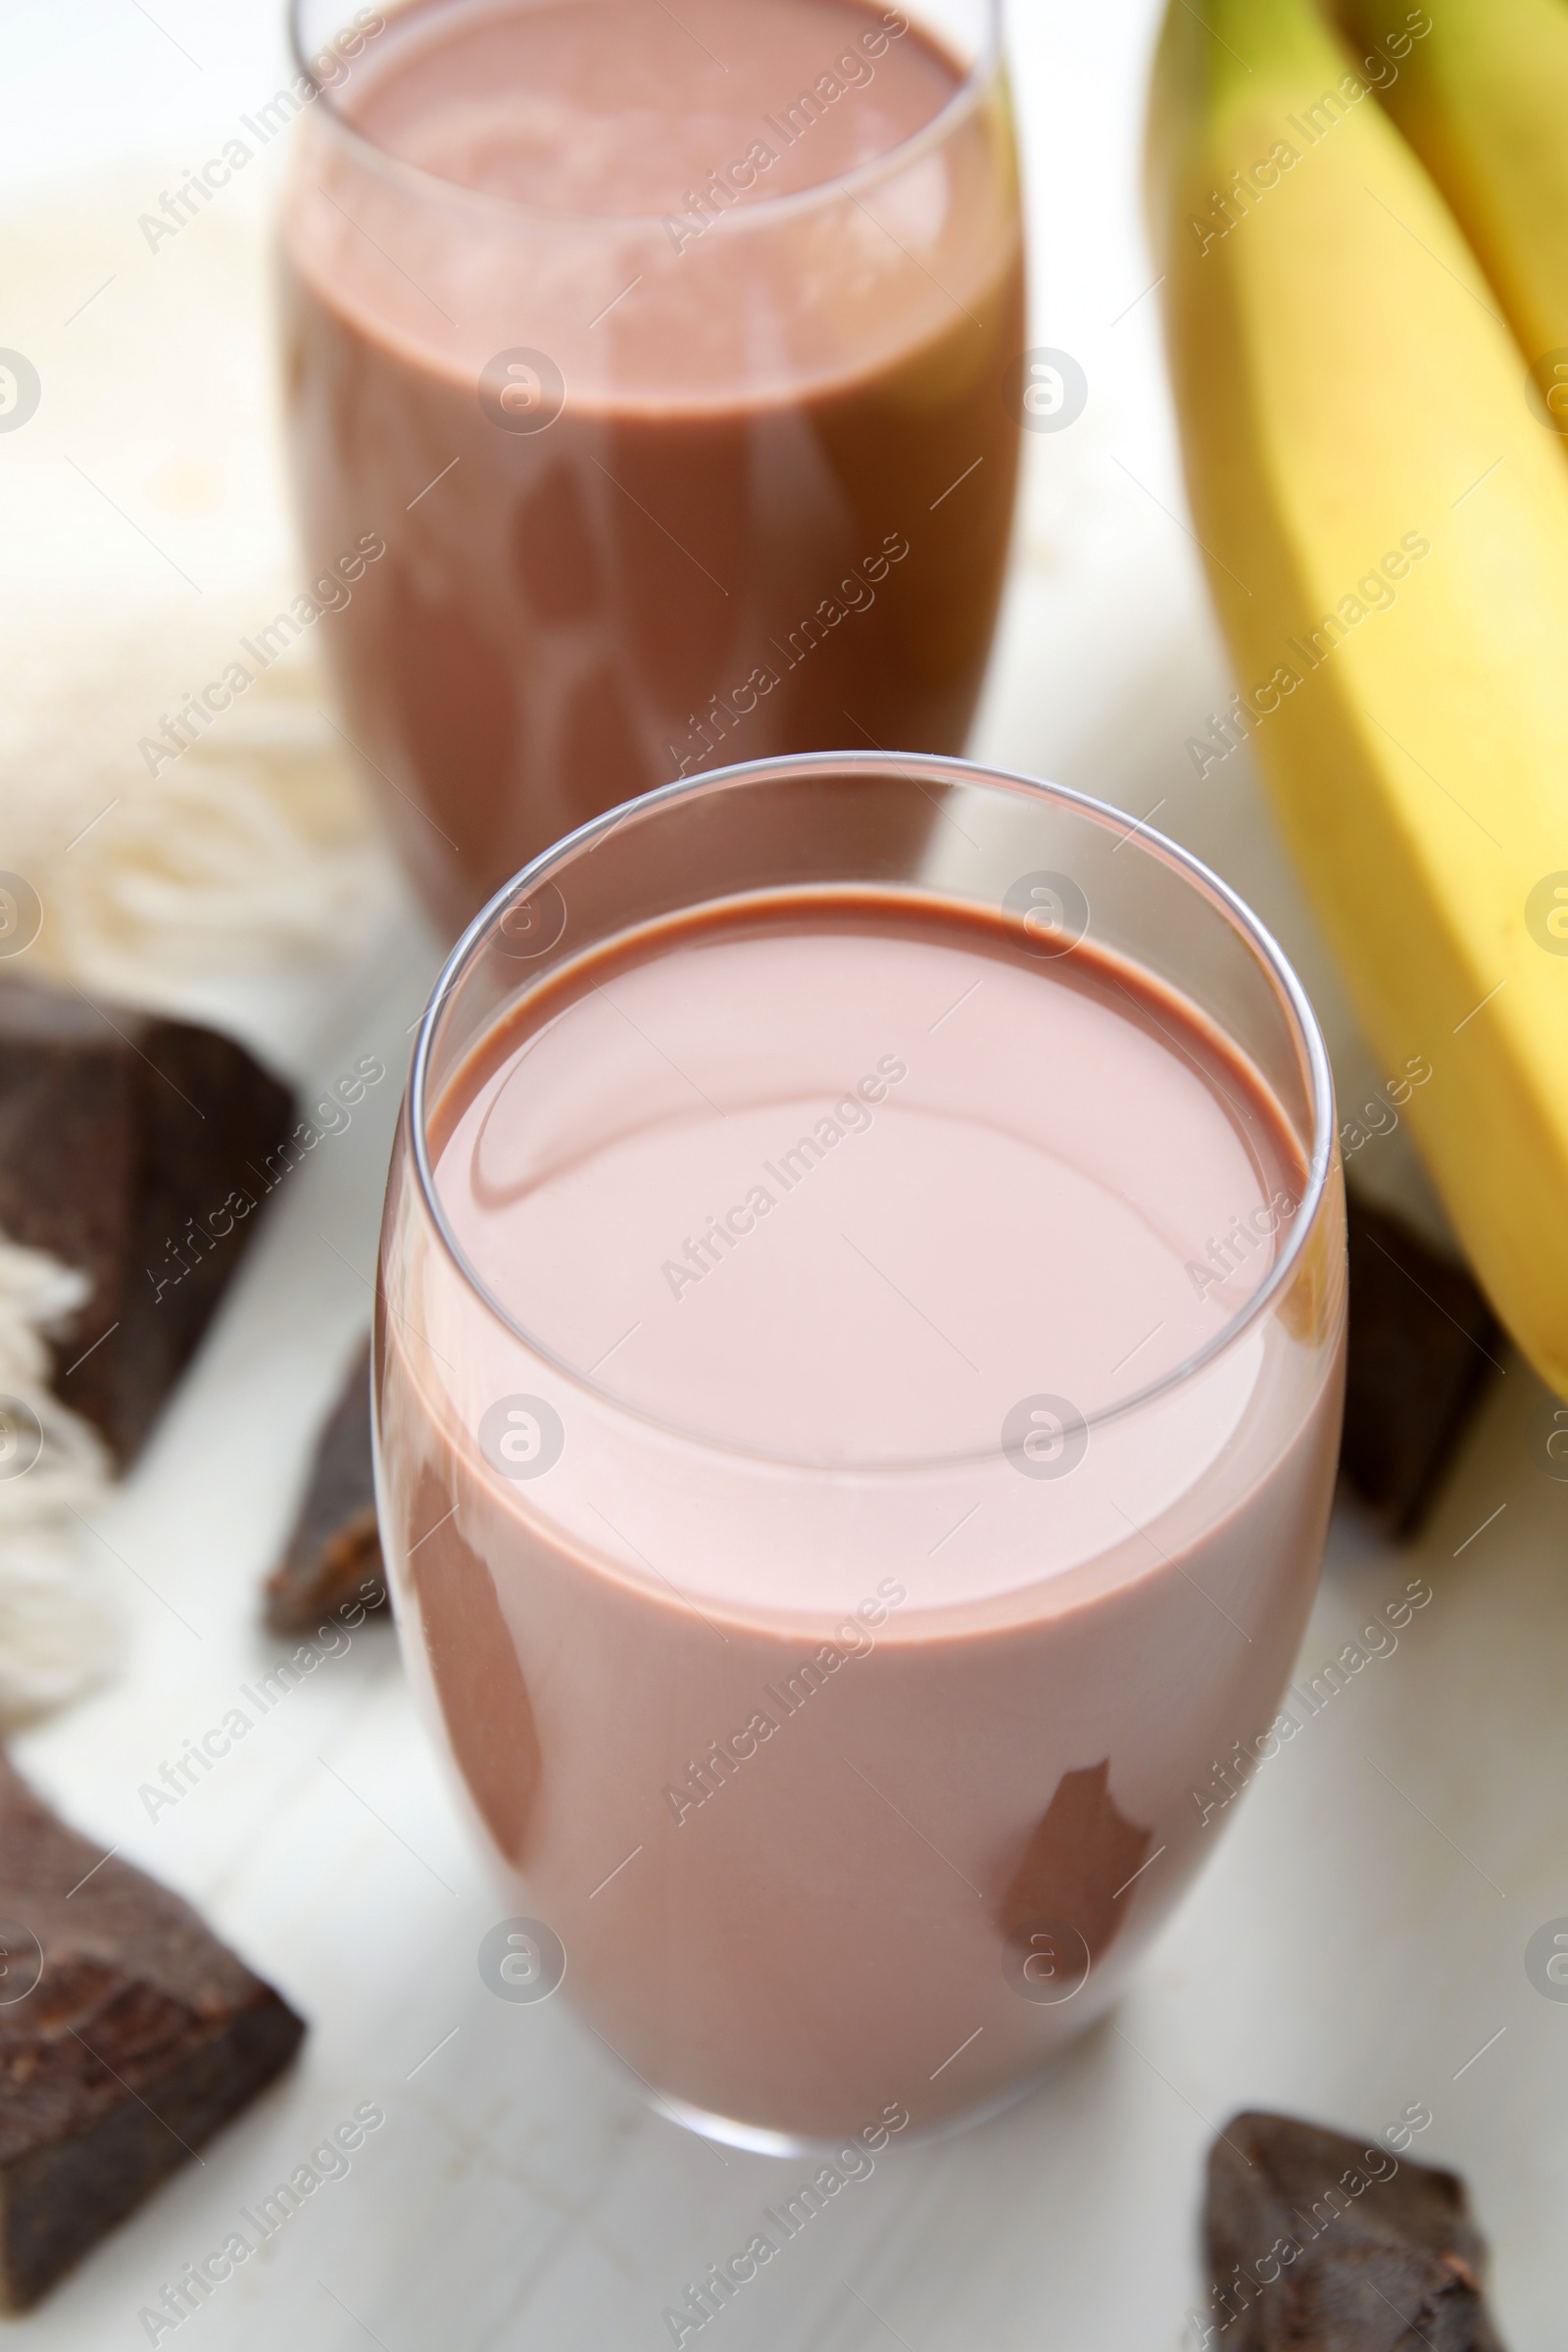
1363	227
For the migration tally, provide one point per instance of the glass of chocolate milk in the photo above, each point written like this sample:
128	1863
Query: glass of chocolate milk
857	1401
670	361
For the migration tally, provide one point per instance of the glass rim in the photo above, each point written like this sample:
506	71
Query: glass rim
986	67
936	767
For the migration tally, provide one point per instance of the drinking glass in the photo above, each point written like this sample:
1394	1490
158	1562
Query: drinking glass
595	501
943	1866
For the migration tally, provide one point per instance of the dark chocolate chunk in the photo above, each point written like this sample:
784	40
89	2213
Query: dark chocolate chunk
138	1149
1423	1345
1081	1855
334	1557
129	2034
1318	2240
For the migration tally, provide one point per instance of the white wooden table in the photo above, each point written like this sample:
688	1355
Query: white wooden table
1356	1948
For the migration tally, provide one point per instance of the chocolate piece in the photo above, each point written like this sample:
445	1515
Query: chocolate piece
334	1553
129	2034
1423	1343
1317	2240
1082	1853
139	1151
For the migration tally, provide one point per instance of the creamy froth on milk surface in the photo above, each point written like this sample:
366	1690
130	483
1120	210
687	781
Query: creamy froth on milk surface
861	1180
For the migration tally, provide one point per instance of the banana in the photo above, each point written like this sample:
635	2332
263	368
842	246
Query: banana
1386	526
1482	96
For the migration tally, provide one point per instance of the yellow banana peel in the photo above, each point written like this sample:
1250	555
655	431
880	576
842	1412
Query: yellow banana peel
1482	96
1385	525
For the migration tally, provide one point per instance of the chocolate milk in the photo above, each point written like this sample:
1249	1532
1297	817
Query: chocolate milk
837	1670
685	427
